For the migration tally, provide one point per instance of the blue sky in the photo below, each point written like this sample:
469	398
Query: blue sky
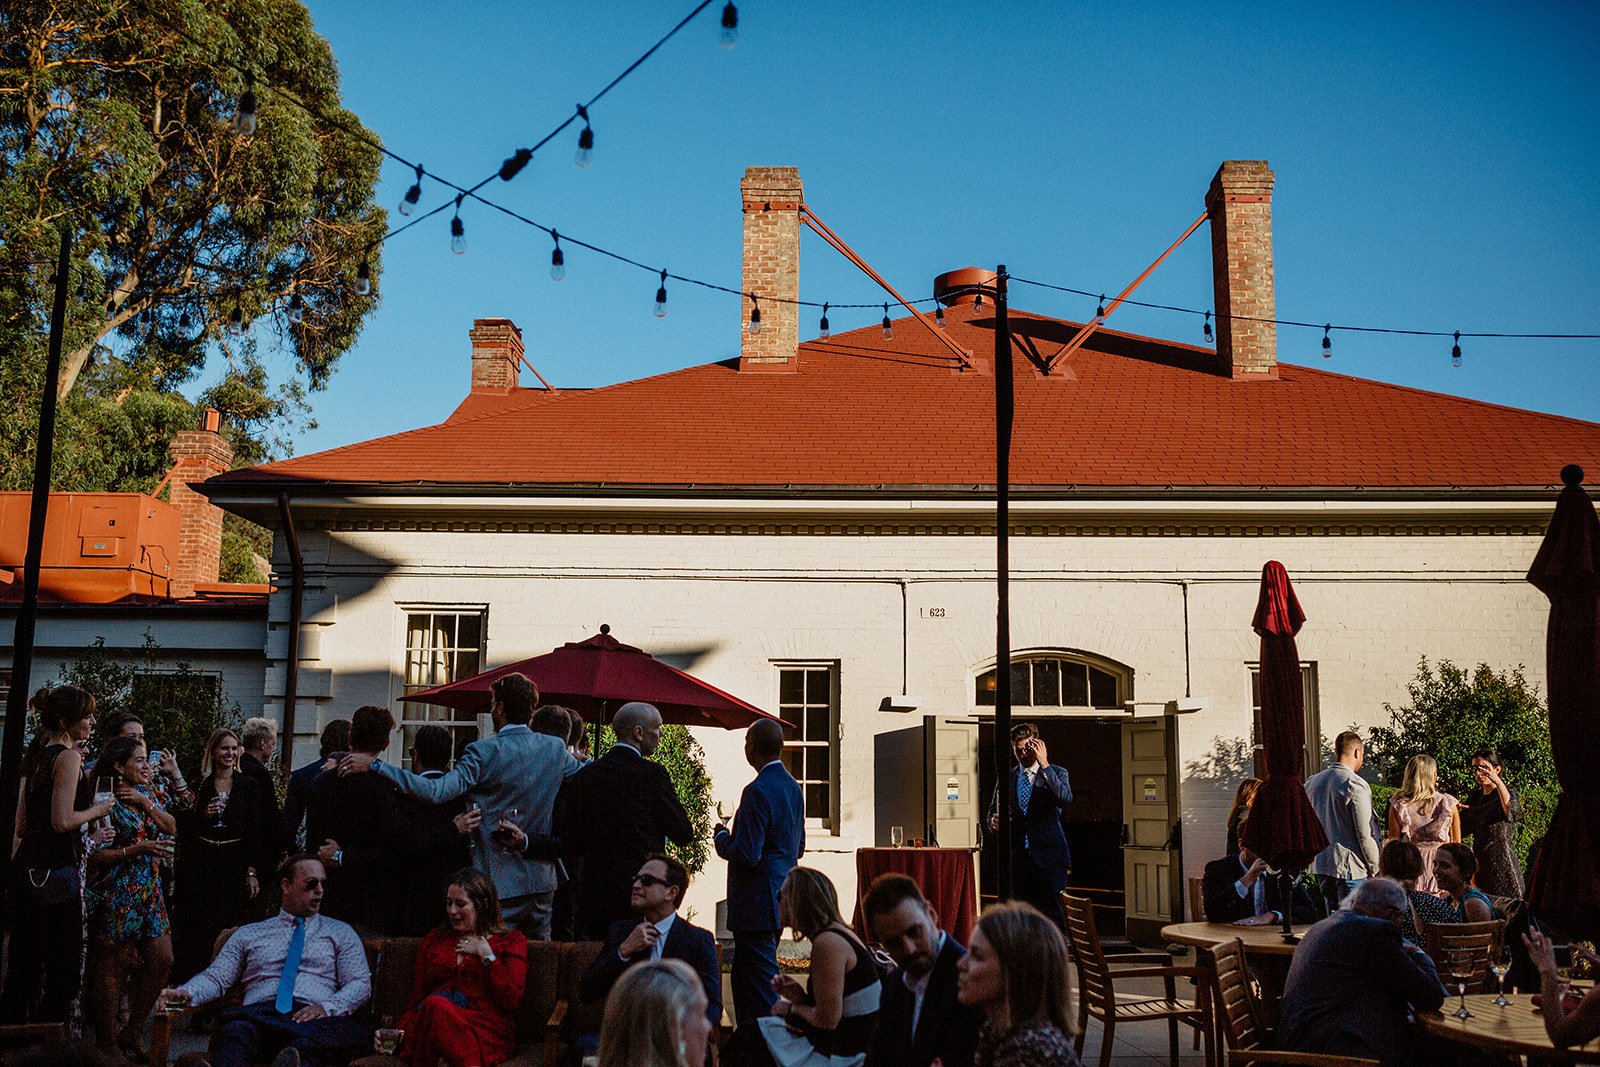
1435	170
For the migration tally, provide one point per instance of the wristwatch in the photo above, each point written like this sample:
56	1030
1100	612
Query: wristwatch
490	958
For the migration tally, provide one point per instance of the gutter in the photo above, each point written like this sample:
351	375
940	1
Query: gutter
291	674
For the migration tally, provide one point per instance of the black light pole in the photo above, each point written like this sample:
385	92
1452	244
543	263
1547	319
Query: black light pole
1004	409
27	614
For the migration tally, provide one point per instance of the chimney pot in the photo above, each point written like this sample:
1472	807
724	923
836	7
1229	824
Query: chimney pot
772	197
1239	204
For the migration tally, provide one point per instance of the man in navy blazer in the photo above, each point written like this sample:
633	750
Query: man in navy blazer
768	839
334	743
660	933
1038	792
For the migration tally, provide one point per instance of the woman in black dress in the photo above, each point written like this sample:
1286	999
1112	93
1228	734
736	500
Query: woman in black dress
1491	816
218	848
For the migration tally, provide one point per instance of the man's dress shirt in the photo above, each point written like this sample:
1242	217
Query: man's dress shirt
333	966
919	986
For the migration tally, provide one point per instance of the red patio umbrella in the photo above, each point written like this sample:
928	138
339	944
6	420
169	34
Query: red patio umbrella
1282	828
600	675
1564	885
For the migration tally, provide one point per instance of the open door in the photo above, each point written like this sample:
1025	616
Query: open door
1152	867
951	761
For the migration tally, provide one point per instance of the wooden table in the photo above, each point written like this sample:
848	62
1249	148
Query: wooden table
1264	946
1517	1030
948	877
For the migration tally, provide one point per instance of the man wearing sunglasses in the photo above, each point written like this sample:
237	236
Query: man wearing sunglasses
303	976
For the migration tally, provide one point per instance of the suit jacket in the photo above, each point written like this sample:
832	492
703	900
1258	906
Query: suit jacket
614	812
294	803
946	1031
1348	989
516	768
768	839
1225	905
271	836
1040	825
1343	802
685	942
439	853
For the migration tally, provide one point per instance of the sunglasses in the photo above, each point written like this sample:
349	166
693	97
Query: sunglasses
313	883
648	880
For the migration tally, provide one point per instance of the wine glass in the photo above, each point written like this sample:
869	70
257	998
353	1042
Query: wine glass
897	836
1499	965
1461	970
222	808
722	812
105	788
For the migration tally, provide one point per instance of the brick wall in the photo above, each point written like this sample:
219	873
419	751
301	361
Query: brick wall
772	198
196	456
1240	204
496	350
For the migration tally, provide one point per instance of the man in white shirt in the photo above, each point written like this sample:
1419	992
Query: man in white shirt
303	975
920	1021
1343	802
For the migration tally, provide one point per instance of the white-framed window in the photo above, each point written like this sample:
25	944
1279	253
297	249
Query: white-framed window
1313	753
808	697
442	645
1057	681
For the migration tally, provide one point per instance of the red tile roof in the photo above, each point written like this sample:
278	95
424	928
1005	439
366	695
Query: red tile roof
1123	412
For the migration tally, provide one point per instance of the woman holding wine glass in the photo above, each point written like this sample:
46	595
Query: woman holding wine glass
219	847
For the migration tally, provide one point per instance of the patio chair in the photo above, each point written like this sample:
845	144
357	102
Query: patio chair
1098	974
1197	900
1242	1028
1477	943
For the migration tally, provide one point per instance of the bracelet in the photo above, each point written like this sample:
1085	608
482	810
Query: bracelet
249	872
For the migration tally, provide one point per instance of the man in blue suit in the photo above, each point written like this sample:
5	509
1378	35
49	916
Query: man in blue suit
768	839
1038	792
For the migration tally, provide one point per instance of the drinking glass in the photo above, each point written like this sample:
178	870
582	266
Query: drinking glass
222	807
897	836
105	788
502	838
1461	972
722	812
389	1039
1499	965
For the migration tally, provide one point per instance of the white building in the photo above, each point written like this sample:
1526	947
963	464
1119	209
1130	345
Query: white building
810	527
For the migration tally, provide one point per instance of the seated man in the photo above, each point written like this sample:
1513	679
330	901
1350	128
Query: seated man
658	889
920	1021
303	974
1354	979
1237	889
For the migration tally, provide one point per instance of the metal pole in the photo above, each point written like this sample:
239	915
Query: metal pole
1004	409
28	613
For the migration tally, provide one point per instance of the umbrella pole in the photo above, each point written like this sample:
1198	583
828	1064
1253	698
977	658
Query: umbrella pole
1004	410
1286	902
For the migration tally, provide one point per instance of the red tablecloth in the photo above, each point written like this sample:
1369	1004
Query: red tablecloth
948	878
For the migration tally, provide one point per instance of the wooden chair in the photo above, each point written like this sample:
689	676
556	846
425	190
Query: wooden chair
1197	900
1236	1011
1474	943
1097	995
18	1036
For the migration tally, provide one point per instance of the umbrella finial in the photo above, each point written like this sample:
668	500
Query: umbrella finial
605	627
1572	474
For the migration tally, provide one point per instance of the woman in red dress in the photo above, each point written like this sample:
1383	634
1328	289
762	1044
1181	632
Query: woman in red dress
468	982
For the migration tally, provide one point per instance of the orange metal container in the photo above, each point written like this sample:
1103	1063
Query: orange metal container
98	547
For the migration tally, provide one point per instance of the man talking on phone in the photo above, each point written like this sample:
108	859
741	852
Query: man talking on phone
1038	791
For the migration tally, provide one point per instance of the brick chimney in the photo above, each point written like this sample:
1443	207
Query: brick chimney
496	355
1240	206
772	198
196	456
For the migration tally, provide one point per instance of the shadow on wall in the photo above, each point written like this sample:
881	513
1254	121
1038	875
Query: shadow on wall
1208	787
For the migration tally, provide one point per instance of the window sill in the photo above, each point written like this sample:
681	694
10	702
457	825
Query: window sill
821	839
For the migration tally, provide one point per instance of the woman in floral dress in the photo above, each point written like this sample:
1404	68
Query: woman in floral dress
1419	813
1492	818
128	925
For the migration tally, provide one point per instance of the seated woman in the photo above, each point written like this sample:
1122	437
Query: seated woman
467	984
656	1017
1240	811
1402	861
832	1023
1453	868
1016	971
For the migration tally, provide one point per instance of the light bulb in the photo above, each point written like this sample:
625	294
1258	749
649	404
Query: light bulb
755	320
661	297
977	302
938	316
888	328
236	322
825	331
244	118
184	321
1455	351
363	279
514	164
1100	308
297	309
408	203
458	236
558	265
730	26
1207	328
1327	345
585	154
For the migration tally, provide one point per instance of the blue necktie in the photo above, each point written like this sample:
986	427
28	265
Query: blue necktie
291	968
1024	795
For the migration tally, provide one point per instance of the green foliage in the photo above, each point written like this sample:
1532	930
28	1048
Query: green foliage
115	126
685	762
178	705
244	545
1451	714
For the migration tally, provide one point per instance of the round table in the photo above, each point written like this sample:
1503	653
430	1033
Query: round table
1517	1030
1258	940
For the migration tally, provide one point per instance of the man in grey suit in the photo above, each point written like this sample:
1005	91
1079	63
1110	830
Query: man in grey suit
1343	802
514	777
1354	979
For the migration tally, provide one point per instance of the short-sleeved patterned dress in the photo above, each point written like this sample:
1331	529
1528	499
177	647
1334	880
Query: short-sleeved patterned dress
127	904
1494	840
1426	825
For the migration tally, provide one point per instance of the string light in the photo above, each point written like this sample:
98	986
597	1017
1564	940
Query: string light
1206	329
661	296
236	321
730	26
938	316
364	278
1100	308
755	315
585	154
1327	345
888	327
1455	351
458	232
977	302
297	309
825	331
558	260
408	203
514	163
244	117
184	322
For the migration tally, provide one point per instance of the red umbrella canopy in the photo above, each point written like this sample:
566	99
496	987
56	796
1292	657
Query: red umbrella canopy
598	676
1282	828
1564	885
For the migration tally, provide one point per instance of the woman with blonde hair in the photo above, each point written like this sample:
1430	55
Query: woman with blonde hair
1421	814
219	844
1016	971
655	1017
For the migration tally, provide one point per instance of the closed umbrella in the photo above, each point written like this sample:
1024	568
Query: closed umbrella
599	675
1564	885
1282	828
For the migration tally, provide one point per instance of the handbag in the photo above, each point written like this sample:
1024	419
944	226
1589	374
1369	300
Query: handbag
52	886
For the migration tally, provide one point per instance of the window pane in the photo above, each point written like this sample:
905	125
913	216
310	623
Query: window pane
1102	689
791	687
1255	687
1074	685
1046	683
792	758
1021	690
986	685
816	801
818	762
469	632
819	687
816	724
